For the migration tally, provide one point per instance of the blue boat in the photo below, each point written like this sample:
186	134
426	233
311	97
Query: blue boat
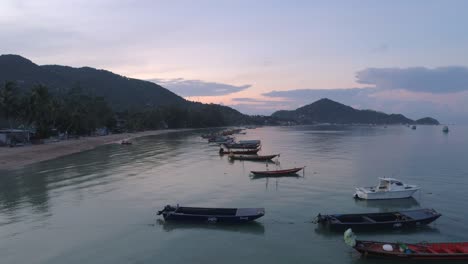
378	221
211	215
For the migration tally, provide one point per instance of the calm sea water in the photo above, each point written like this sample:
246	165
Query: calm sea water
99	206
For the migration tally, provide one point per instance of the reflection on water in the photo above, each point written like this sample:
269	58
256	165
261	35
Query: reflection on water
98	206
254	228
389	205
427	229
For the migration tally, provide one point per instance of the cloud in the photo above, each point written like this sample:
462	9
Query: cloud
250	100
261	107
300	97
255	100
383	47
440	80
185	87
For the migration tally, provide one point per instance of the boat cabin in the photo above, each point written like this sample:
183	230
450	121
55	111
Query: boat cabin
390	184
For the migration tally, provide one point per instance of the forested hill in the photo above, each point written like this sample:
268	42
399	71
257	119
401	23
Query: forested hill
328	111
120	92
80	100
146	105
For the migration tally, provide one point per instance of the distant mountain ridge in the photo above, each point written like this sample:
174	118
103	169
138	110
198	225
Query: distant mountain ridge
124	94
328	111
120	92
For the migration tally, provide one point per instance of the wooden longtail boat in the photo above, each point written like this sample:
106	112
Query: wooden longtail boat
211	215
273	173
378	221
247	151
252	157
221	140
419	251
241	146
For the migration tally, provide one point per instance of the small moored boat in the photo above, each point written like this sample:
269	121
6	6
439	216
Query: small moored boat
273	173
241	146
221	140
125	142
445	129
247	151
254	141
377	221
417	251
252	157
211	215
388	188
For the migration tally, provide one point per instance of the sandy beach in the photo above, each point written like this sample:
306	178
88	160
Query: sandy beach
12	158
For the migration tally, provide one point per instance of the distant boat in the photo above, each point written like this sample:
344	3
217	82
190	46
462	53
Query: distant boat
377	221
407	251
445	129
231	145
221	140
255	141
211	215
388	188
413	127
276	173
252	157
125	142
247	151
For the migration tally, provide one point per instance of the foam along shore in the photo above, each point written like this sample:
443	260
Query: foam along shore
13	158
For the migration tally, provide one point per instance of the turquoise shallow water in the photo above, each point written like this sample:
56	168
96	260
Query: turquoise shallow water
99	206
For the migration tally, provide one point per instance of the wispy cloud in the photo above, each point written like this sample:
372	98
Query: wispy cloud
185	87
449	79
310	95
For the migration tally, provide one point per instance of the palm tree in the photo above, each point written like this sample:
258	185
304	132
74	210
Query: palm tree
9	101
40	109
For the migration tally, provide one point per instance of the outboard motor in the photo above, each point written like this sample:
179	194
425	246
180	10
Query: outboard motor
318	219
167	208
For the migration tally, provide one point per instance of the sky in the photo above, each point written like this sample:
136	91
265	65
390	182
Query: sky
408	57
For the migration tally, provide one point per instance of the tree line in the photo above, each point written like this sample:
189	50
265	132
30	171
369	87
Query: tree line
77	113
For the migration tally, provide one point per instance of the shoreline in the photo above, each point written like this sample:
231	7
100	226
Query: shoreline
17	157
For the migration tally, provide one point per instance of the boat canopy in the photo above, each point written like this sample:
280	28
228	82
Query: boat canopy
390	184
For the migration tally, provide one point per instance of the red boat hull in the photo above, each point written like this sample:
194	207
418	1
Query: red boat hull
422	251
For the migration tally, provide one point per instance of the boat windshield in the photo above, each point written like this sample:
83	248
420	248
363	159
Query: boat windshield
384	185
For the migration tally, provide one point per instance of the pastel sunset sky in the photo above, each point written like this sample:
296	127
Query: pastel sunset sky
408	57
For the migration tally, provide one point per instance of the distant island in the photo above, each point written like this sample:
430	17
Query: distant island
54	99
328	111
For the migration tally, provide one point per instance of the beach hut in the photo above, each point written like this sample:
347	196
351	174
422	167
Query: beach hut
13	137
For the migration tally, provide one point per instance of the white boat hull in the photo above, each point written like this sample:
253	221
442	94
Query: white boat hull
366	195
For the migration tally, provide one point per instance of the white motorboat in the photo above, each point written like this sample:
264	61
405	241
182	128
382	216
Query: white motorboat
388	188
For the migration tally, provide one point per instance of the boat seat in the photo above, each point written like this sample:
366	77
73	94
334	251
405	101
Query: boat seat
369	219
